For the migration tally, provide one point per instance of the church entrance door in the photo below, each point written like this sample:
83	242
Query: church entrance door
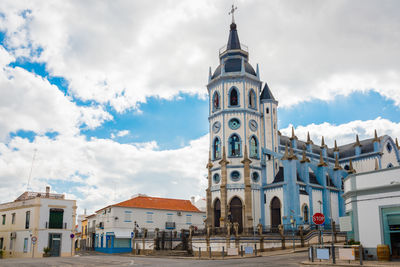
236	210
217	212
275	212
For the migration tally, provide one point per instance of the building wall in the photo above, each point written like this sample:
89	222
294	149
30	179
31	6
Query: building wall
270	194
317	196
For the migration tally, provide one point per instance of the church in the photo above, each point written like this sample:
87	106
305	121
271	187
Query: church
256	175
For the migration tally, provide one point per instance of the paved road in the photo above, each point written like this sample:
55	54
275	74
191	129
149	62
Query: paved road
106	260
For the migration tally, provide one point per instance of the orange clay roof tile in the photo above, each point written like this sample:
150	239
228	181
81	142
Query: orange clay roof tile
146	202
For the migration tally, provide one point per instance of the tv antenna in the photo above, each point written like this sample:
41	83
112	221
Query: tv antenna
30	173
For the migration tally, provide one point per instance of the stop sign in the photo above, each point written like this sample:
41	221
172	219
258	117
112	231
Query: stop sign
318	218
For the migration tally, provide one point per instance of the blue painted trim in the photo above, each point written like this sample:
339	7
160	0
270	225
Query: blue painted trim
229	97
128	211
235	171
150	212
188	214
114	250
235	186
149	221
237	166
127	221
232	77
170	214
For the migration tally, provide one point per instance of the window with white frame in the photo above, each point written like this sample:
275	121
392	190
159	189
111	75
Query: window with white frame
25	245
128	214
149	217
188	219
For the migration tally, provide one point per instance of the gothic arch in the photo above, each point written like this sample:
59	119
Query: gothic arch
216	101
275	208
236	211
305	213
253	145
234	97
216	212
216	148
252	99
235	145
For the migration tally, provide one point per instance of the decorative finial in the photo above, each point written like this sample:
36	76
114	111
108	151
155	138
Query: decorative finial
357	141
232	13
397	143
323	143
351	169
285	156
294	137
321	161
336	149
376	139
304	158
309	142
279	133
376	164
337	166
209	164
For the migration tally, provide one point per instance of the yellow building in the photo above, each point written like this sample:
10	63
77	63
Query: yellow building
84	234
37	220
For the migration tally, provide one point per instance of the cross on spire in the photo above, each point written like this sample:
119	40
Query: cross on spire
232	13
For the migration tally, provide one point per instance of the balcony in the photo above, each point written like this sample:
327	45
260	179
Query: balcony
52	225
169	225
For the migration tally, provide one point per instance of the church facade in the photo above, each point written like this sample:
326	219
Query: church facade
255	174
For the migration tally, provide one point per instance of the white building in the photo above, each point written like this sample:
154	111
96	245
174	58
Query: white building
50	218
115	224
372	199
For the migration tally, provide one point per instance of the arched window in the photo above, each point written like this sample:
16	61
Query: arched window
389	147
234	146
234	97
267	110
253	147
235	176
275	207
255	177
216	178
216	101
217	148
305	213
252	99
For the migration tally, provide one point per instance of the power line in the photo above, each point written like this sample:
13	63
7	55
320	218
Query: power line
30	173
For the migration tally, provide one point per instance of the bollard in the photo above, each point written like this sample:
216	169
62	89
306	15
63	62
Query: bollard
209	253
223	251
333	254
255	249
199	252
360	253
241	251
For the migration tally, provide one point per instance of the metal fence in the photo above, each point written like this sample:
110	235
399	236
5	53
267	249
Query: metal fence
336	254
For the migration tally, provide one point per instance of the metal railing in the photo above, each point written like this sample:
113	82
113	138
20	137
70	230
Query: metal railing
225	48
336	254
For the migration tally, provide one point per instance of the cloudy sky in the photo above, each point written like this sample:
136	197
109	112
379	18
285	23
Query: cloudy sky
110	96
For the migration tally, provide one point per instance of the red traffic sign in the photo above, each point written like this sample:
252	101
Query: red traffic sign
34	238
318	218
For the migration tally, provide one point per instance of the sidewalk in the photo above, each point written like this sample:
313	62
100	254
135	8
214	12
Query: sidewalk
343	263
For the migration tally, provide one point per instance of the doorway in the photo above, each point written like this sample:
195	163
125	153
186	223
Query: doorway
217	212
236	209
275	212
55	244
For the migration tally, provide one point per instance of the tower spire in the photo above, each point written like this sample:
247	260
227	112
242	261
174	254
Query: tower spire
232	12
309	139
233	41
336	148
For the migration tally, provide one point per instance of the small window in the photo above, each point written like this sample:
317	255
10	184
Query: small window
305	213
390	165
149	217
127	216
235	176
216	101
4	219
234	146
217	148
25	245
13	218
255	177
27	219
346	167
234	124
216	178
188	219
267	110
253	147
1	243
389	147
233	98
252	99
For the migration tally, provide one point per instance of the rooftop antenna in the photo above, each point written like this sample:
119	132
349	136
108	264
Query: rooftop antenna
30	173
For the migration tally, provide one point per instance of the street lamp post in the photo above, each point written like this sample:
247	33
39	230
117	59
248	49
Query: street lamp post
320	229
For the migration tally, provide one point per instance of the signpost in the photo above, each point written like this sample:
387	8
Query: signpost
319	219
72	241
33	239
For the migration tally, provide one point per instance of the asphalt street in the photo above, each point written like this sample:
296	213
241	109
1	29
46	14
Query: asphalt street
107	260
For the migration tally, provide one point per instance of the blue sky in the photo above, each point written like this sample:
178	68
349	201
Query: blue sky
115	105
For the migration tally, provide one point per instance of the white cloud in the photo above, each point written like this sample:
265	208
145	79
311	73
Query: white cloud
345	133
103	168
122	52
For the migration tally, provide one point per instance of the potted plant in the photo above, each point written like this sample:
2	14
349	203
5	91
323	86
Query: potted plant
46	251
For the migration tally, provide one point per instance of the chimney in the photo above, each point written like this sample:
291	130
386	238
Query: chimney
192	200
47	191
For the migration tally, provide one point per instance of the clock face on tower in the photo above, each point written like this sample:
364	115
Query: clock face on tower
216	127
253	125
234	124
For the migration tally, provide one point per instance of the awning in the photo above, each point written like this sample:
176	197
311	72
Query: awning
122	233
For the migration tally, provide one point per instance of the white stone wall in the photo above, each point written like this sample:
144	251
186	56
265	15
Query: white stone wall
335	207
388	157
270	194
304	200
317	196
